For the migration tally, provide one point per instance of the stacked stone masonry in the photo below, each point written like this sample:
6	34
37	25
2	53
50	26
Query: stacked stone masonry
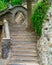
44	44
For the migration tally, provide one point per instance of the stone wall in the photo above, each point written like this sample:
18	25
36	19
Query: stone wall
44	44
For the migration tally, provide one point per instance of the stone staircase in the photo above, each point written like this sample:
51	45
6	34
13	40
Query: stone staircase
24	46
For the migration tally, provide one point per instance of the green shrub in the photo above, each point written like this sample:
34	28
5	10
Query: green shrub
39	13
16	2
5	3
2	5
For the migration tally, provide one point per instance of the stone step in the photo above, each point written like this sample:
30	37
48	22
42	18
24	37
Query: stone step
23	36
29	46
23	39
18	38
23	32
18	52
17	27
14	23
16	30
25	57
26	32
24	54
24	44
15	56
24	63
20	34
22	50
19	47
24	60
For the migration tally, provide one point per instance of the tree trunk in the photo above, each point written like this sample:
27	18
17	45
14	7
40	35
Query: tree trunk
29	12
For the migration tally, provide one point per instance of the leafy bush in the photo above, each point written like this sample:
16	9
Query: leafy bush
2	5
5	3
16	2
38	15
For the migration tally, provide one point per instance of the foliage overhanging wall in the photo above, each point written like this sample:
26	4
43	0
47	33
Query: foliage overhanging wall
39	13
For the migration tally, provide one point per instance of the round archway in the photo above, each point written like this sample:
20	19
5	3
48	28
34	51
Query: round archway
19	18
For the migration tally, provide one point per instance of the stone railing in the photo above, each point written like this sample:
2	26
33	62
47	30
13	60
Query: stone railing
5	39
44	44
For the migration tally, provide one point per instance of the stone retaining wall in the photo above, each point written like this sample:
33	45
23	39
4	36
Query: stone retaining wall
44	44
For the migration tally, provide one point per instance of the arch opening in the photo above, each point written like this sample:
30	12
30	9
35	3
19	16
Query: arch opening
19	17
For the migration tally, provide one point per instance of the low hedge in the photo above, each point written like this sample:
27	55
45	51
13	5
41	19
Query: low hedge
39	13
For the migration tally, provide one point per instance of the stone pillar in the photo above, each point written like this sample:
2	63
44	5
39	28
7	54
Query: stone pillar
6	29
